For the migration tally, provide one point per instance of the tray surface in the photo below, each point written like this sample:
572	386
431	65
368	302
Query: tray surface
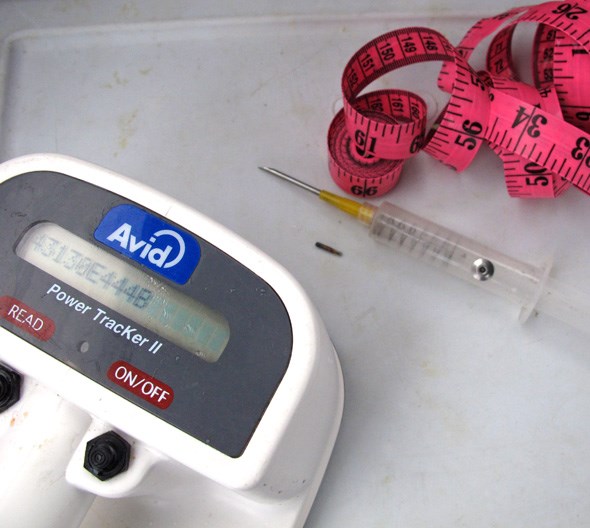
455	415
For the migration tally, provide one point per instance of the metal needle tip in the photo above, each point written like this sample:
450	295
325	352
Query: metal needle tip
291	179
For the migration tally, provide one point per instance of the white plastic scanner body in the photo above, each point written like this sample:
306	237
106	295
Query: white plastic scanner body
272	481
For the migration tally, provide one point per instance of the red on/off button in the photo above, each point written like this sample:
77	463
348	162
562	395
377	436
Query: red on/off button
27	319
141	384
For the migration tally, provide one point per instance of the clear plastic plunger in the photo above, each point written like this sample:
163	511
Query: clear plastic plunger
525	284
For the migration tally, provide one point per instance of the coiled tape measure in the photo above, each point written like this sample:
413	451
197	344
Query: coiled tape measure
541	133
154	323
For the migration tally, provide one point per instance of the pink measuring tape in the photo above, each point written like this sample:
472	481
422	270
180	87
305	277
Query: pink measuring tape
541	132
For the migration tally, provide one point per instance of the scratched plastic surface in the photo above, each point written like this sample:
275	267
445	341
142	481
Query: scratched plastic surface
455	414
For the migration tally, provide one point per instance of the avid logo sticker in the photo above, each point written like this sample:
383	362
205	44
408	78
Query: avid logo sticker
150	241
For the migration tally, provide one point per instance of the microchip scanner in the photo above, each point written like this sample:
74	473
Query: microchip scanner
125	312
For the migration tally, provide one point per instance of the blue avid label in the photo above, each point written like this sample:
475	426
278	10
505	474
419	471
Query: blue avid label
151	241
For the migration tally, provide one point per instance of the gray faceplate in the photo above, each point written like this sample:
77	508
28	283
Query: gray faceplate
217	403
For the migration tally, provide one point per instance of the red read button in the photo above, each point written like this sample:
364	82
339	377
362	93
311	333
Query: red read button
24	317
141	384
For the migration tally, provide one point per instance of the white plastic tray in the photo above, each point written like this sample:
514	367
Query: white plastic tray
455	415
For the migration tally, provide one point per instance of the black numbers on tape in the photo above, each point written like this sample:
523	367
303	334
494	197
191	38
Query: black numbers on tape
386	52
365	146
352	79
570	11
466	141
533	130
499	66
517	126
367	63
408	44
472	128
430	44
581	150
364	191
537	175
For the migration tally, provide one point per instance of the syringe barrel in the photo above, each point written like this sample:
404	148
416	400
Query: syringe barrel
460	256
565	302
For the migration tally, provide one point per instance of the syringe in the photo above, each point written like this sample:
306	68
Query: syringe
527	285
